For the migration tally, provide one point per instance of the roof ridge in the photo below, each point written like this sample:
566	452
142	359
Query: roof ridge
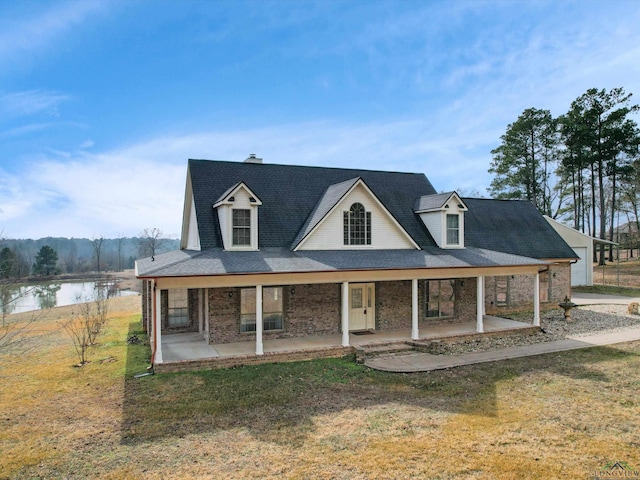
290	165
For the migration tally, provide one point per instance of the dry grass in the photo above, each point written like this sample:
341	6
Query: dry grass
626	273
553	416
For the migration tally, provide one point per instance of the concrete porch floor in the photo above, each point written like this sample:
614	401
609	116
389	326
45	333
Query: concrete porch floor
191	346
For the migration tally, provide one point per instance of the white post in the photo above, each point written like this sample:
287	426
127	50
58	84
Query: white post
536	300
415	335
480	304
345	314
484	304
259	347
200	312
206	314
157	325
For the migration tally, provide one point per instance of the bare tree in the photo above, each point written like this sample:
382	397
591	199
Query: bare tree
96	242
86	323
151	240
120	242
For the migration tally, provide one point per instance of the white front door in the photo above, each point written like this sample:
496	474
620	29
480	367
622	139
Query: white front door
362	315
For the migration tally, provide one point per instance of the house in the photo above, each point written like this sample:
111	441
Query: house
288	252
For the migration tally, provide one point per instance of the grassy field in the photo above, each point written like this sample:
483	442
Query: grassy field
625	273
553	416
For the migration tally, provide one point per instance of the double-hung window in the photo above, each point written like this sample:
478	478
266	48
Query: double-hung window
178	314
440	298
357	226
453	229
241	218
272	309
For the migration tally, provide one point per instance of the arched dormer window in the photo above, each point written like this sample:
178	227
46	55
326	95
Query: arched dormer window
357	225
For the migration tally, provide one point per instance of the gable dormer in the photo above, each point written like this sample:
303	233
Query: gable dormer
443	215
237	210
349	216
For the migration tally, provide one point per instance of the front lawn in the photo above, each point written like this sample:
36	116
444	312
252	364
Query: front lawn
553	416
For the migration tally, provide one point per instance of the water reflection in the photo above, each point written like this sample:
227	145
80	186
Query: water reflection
46	295
17	299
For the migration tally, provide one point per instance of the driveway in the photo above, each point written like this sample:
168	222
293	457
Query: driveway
599	299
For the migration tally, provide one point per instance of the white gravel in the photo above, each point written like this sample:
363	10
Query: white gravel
585	320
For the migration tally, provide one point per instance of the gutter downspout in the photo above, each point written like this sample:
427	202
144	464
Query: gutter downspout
155	330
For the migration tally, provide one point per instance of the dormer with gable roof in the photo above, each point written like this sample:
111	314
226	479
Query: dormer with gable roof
443	215
350	216
237	210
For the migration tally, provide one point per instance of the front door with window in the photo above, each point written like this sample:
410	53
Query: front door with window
362	314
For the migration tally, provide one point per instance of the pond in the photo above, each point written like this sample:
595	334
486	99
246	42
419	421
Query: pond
25	298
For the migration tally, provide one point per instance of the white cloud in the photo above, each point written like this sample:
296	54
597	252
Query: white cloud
142	185
30	102
38	29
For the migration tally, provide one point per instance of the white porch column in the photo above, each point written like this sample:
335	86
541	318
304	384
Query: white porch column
206	314
345	314
259	347
200	312
414	310
536	300
484	304
157	324
480	305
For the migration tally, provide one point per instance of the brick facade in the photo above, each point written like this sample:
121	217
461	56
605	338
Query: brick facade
316	309
313	309
555	284
393	305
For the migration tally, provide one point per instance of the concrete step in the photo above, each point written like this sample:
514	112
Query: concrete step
365	352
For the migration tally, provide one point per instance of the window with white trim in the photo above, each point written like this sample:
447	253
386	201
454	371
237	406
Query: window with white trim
241	235
178	313
357	225
272	309
440	298
453	229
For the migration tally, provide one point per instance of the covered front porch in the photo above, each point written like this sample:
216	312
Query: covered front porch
185	351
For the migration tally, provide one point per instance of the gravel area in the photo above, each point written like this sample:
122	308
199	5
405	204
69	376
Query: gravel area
585	320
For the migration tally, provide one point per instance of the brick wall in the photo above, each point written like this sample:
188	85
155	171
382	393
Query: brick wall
316	309
555	284
308	310
146	313
224	316
393	305
313	309
464	309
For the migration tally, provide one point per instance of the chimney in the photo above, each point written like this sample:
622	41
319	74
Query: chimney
253	159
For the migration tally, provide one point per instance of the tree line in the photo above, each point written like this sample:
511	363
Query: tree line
54	255
582	167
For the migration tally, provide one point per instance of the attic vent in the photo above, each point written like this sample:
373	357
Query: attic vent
252	159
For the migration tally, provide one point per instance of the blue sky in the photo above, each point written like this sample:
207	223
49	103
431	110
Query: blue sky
102	103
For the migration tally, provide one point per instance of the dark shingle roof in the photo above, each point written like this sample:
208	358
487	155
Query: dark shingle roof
512	226
282	260
289	195
331	197
431	202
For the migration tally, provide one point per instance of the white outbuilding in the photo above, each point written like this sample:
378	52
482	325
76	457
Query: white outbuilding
582	244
